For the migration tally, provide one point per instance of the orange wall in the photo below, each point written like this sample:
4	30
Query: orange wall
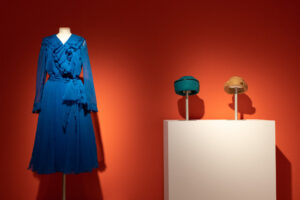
137	49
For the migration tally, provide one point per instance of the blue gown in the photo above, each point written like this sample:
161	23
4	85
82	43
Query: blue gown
64	139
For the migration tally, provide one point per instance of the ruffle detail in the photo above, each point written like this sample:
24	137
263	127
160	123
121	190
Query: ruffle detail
63	53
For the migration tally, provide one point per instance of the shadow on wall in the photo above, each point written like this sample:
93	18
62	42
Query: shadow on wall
283	165
78	186
245	105
196	107
283	176
98	138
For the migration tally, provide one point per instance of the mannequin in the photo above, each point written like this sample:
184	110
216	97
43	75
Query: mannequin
64	34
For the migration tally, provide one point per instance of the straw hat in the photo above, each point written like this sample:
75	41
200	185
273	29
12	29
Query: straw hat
235	82
186	83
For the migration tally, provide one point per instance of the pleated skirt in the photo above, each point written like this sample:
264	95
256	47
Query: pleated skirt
72	151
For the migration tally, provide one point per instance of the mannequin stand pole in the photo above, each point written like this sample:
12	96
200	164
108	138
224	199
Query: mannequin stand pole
236	104
186	105
64	187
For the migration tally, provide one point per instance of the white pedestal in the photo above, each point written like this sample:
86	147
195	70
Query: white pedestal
219	160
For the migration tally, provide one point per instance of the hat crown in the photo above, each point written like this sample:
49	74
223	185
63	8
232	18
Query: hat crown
235	82
186	83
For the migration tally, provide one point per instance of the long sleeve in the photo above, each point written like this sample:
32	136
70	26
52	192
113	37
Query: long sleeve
40	78
88	79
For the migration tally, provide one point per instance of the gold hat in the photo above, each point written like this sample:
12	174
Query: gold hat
235	82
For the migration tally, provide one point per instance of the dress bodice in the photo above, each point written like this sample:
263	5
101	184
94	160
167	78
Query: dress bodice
65	62
66	58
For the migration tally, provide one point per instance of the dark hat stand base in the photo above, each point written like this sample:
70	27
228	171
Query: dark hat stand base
64	187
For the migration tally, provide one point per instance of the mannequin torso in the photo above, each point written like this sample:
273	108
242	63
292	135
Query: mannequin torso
64	34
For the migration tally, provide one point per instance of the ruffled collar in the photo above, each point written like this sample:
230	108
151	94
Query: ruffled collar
63	53
74	41
66	43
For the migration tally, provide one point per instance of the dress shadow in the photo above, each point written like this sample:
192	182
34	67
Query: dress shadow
78	186
283	176
196	107
245	105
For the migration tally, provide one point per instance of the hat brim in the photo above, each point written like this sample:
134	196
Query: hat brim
230	88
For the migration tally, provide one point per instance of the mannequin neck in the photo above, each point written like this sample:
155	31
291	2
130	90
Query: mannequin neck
64	30
64	33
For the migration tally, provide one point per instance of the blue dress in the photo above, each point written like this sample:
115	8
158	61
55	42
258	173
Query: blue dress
64	139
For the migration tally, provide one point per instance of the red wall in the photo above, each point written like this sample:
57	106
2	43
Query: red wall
137	49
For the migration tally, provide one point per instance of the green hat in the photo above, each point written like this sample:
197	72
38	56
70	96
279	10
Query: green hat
186	83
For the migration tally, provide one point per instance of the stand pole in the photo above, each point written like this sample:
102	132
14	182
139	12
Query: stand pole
64	187
186	105
236	104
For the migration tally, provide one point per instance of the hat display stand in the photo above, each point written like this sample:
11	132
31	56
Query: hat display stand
187	104
64	187
200	155
186	86
235	103
235	85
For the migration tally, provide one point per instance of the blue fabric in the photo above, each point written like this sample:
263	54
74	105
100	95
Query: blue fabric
64	140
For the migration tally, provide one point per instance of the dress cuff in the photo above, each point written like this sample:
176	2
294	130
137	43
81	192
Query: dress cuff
92	107
36	108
